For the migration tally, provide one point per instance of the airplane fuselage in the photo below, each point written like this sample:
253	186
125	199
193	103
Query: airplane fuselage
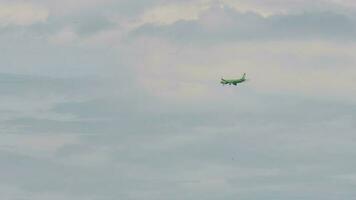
233	81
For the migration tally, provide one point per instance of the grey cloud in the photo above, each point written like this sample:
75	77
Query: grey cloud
130	145
92	24
27	99
280	151
85	24
163	162
18	85
40	58
225	24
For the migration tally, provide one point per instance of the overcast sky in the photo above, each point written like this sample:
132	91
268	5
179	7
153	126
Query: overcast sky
120	99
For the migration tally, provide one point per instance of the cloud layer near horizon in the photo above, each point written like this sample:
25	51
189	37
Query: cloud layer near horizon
121	99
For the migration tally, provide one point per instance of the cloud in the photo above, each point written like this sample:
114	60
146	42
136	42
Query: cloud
170	13
66	36
33	98
35	145
109	115
190	72
22	14
214	151
224	24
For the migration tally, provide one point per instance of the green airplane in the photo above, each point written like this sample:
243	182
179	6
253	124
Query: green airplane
233	81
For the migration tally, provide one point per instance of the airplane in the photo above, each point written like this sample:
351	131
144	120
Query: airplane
233	81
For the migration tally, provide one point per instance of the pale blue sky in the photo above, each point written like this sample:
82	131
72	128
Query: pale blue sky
104	100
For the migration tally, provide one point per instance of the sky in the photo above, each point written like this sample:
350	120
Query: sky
120	99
